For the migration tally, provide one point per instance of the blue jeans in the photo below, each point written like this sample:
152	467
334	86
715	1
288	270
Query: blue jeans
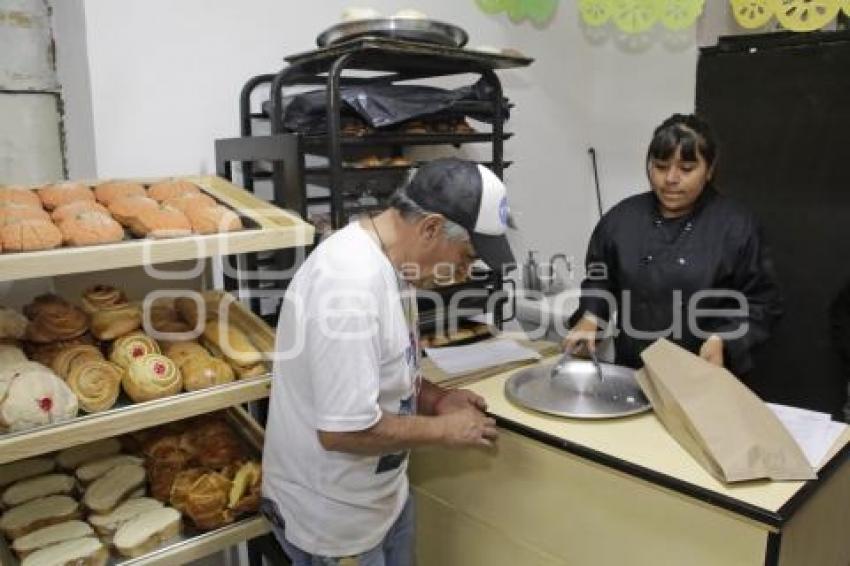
395	550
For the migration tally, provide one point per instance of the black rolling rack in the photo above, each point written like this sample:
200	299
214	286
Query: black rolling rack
279	155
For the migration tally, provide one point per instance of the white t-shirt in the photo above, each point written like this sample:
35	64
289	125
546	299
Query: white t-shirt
346	347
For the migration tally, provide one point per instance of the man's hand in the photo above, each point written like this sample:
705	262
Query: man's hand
712	350
581	339
468	427
457	399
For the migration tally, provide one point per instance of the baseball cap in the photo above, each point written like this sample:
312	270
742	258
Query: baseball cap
472	196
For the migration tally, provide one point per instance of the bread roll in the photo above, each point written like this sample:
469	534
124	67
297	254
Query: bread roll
73	356
87	473
152	377
18	194
72	458
86	551
202	372
106	492
108	523
132	346
115	322
23	469
100	297
54	196
38	513
165	190
74	209
51	535
232	342
180	352
113	190
145	532
89	229
96	383
29	236
33	488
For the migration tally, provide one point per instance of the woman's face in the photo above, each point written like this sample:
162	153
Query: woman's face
678	182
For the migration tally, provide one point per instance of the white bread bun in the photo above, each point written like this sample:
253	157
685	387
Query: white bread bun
87	473
34	396
41	486
108	523
23	469
87	551
53	534
145	532
72	458
110	489
38	513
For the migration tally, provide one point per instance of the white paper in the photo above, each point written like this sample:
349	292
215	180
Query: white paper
455	360
815	432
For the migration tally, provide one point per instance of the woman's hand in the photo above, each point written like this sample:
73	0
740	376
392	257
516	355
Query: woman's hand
712	350
581	339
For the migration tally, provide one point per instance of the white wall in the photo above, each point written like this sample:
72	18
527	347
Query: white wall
165	78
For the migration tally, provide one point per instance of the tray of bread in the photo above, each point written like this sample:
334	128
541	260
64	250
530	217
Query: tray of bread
163	495
97	225
104	365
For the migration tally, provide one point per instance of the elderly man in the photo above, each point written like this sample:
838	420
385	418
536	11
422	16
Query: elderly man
348	401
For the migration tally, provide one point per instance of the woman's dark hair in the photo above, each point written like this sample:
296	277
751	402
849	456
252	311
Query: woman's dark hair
687	131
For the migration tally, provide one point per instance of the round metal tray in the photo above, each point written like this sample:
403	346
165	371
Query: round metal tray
577	392
407	29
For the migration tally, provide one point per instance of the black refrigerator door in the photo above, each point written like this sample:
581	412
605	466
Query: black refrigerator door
780	108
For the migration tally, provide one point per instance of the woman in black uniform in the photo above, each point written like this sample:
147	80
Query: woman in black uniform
680	261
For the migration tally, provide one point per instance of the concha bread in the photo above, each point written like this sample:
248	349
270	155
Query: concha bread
106	492
86	551
72	458
33	488
38	513
106	524
146	531
87	473
35	398
23	469
53	534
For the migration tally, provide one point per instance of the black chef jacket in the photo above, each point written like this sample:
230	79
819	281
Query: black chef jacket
642	259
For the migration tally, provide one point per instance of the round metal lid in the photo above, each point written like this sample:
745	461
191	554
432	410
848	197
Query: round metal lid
576	391
423	31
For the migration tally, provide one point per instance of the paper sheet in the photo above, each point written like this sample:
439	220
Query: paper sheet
456	360
814	432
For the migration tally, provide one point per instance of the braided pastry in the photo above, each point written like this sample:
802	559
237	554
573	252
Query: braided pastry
132	346
152	377
96	384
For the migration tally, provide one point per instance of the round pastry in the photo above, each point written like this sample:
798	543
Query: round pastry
180	352
12	324
10	356
71	357
44	303
18	194
90	228
132	346
213	219
108	192
30	235
54	196
189	201
152	377
205	371
96	383
162	222
111	323
46	353
76	208
172	189
103	297
14	212
35	397
126	208
60	322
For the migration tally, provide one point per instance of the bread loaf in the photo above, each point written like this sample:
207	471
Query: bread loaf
86	551
107	524
47	536
106	492
33	488
232	342
87	473
145	532
72	458
38	513
23	469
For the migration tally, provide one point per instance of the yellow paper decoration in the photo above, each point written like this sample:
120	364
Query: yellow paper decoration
805	15
634	16
752	14
680	14
846	7
596	12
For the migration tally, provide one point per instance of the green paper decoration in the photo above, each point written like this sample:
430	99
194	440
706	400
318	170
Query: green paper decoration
595	12
537	11
751	14
793	15
638	16
680	14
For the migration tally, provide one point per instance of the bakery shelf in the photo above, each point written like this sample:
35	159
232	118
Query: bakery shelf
319	142
137	416
272	228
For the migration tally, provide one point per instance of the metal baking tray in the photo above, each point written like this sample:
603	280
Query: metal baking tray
405	29
193	544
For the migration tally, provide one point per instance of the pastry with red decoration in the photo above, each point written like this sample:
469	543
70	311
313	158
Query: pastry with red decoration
31	395
132	346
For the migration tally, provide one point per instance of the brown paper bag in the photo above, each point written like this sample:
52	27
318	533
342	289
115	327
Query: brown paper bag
717	419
